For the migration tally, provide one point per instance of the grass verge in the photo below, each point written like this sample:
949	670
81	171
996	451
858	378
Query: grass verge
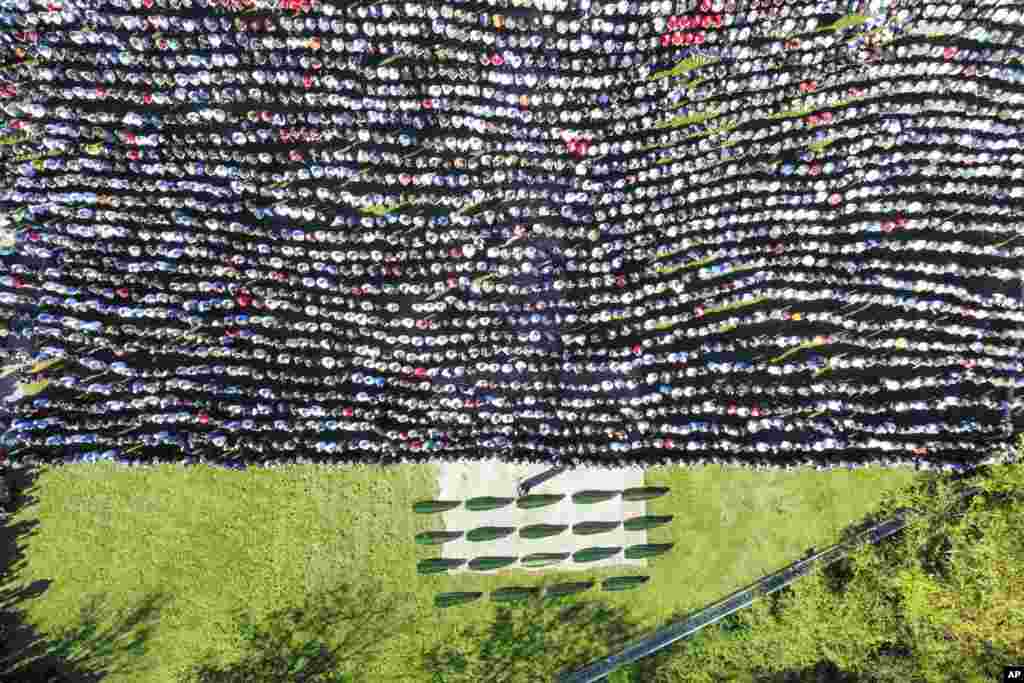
217	541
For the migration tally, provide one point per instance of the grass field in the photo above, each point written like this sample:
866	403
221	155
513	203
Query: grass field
215	541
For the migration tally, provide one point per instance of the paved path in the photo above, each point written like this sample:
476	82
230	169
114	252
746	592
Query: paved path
461	481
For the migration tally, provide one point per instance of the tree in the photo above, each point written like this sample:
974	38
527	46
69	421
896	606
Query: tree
330	638
822	672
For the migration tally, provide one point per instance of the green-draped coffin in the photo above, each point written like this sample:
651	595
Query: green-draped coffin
595	554
514	593
622	583
646	522
541	530
644	493
489	533
425	507
635	552
443	600
591	497
437	537
539	500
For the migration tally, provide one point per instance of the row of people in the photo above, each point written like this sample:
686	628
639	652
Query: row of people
229	296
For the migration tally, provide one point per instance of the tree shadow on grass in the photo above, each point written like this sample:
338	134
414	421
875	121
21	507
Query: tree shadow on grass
83	652
330	638
86	651
531	640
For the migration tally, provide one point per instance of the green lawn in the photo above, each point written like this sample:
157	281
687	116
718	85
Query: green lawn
216	541
733	526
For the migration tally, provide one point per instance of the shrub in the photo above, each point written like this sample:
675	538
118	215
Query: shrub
562	589
542	530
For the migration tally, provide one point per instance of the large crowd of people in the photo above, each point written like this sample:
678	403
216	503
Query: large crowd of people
769	234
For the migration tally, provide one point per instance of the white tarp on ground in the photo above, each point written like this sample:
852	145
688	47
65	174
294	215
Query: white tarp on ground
462	481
